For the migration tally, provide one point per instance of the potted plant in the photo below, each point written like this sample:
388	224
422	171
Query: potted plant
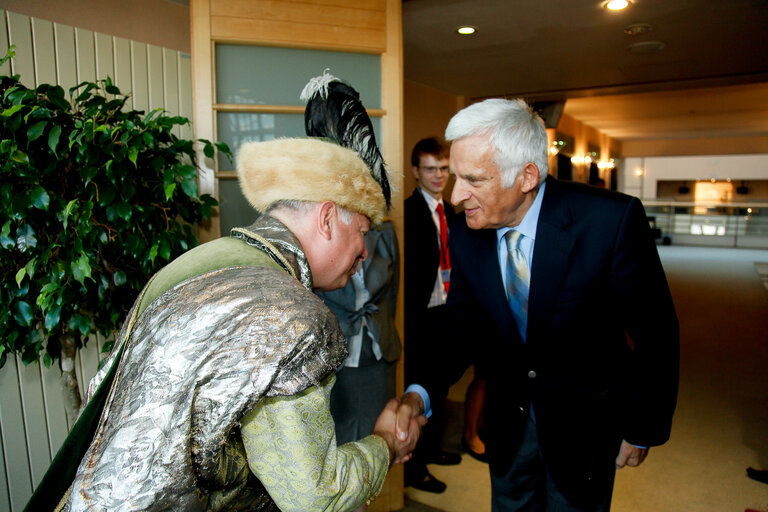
94	199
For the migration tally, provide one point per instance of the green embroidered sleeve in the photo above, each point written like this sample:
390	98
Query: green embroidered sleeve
291	448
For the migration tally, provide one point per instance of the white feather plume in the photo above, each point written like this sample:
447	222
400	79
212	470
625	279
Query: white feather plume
318	84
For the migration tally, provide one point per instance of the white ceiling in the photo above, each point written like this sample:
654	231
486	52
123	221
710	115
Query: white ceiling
710	80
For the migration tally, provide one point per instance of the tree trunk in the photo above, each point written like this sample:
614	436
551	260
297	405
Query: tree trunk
70	391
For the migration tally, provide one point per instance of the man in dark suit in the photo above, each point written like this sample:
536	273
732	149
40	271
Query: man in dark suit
561	285
427	279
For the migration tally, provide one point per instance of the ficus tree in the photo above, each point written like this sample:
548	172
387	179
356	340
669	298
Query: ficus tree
94	198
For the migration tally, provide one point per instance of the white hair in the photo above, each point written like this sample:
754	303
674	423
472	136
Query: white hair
306	207
517	134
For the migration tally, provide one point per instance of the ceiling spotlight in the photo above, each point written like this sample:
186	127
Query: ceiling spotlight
616	5
466	30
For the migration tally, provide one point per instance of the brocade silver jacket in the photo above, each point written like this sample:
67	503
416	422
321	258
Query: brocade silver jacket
196	360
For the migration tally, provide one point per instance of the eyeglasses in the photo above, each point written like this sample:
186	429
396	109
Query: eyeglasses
434	170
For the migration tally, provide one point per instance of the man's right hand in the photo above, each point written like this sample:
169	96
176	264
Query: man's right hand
410	406
400	427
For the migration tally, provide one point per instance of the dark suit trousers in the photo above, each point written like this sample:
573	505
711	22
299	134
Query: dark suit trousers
528	487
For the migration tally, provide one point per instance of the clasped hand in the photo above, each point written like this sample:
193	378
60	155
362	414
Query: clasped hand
399	424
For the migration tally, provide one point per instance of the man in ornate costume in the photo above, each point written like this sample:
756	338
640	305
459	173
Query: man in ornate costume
220	379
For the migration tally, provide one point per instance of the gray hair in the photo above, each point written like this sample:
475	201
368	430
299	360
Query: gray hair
306	207
517	134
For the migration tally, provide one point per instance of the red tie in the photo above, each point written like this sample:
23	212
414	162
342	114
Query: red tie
445	259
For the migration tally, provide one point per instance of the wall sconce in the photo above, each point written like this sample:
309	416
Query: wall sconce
556	147
606	165
639	172
584	159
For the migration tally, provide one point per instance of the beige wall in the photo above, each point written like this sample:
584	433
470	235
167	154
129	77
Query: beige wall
157	22
426	114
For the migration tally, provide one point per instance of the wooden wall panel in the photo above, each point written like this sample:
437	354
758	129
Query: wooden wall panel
5	69
35	427
14	439
66	62
300	12
20	34
5	499
155	73
139	77
55	416
122	76
170	83
85	45
298	35
45	56
185	93
105	59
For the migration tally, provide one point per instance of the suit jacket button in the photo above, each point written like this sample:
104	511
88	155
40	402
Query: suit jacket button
531	374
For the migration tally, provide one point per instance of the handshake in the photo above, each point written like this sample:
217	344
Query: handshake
399	424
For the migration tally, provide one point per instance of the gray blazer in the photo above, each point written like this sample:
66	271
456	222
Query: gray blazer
381	272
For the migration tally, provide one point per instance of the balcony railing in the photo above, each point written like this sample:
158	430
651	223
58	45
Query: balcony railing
742	224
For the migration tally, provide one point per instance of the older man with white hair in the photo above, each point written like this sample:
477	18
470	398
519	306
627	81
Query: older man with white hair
559	287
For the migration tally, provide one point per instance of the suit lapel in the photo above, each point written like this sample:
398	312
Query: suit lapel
551	257
492	293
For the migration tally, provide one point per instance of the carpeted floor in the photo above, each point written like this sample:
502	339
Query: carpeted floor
721	422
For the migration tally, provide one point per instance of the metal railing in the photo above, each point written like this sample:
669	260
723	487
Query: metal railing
743	224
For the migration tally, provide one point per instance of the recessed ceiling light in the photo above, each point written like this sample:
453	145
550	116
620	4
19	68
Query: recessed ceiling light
636	29
646	47
616	5
466	30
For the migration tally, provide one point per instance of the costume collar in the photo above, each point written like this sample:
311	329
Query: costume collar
274	238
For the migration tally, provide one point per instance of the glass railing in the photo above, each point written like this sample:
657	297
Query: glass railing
733	224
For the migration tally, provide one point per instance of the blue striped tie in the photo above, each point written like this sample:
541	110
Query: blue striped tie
518	280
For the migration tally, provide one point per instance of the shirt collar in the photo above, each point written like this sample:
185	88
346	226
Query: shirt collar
531	219
431	201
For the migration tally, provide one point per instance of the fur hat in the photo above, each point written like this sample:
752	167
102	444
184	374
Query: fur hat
305	169
334	111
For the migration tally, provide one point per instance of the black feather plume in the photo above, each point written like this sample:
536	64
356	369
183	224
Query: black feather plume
334	111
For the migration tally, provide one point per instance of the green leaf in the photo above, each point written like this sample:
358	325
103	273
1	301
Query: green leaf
52	317
26	238
20	276
189	186
24	315
36	130
47	360
71	207
20	156
120	278
208	150
40	198
81	269
30	267
165	251
153	252
169	190
89	172
53	138
33	110
80	323
133	154
12	110
5	236
124	211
